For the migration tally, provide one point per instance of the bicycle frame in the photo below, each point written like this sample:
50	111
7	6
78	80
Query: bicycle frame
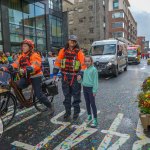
18	93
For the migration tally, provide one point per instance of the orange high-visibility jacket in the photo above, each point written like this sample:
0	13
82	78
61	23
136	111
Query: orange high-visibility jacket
80	57
35	61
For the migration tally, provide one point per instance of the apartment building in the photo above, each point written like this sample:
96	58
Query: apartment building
121	21
88	20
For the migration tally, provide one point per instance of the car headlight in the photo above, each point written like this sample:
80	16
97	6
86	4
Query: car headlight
109	64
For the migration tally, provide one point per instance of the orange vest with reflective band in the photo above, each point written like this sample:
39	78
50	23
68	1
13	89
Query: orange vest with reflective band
34	60
25	61
70	58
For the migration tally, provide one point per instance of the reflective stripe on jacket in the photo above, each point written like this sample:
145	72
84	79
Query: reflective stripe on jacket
63	54
35	61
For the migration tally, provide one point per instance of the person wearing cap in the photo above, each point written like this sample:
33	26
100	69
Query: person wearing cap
70	61
29	62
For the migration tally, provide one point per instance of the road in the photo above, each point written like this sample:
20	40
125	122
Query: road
119	125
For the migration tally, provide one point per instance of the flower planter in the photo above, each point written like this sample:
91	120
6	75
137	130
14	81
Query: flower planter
145	120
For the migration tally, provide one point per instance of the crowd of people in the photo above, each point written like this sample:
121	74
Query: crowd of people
8	58
145	55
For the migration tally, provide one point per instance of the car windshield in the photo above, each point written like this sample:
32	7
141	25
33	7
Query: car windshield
132	52
108	49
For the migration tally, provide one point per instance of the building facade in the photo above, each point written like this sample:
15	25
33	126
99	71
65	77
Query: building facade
121	22
87	20
39	20
141	41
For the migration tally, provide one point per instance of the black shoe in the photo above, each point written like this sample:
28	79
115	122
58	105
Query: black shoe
75	116
67	115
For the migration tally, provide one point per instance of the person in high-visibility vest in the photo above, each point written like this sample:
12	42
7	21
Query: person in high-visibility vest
29	62
70	61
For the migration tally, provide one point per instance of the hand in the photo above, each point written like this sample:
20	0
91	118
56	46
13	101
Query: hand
21	71
94	94
79	77
10	68
29	69
3	68
54	78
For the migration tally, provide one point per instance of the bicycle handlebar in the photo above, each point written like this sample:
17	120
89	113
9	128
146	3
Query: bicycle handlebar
10	72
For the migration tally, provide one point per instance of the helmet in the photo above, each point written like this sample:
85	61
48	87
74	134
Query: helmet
28	42
73	38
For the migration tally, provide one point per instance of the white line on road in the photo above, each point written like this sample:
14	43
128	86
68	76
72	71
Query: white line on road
138	145
19	113
22	121
107	139
54	120
22	145
75	137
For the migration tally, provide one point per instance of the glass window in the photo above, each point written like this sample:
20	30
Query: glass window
16	38
117	25
29	18
15	13
90	7
56	30
0	36
115	4
118	15
117	34
80	10
41	44
1	47
40	18
55	5
108	49
16	29
91	19
91	30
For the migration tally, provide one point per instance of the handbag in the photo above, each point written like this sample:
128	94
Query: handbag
50	87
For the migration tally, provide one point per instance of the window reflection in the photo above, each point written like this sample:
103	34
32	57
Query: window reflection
30	18
56	30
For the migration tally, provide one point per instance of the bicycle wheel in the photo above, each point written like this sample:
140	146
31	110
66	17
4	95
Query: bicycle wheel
7	108
39	105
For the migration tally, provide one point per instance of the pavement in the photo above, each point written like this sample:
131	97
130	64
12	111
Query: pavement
119	126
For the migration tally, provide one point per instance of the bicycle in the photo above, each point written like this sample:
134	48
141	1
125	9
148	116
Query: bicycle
9	100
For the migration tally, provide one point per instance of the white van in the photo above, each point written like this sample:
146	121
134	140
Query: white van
110	56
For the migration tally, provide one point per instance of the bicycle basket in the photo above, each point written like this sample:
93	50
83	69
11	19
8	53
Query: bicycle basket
50	87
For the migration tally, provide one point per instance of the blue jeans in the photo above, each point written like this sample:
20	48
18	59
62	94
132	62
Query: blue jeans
36	84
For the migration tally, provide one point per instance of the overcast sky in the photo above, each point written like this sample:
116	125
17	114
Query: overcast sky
141	13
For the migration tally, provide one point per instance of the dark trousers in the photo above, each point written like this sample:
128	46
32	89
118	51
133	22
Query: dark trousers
36	84
69	91
90	101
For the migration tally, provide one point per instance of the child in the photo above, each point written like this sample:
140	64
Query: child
90	87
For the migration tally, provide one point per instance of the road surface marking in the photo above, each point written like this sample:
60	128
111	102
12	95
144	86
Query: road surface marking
144	139
18	113
22	121
54	120
110	133
1	128
76	137
22	145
